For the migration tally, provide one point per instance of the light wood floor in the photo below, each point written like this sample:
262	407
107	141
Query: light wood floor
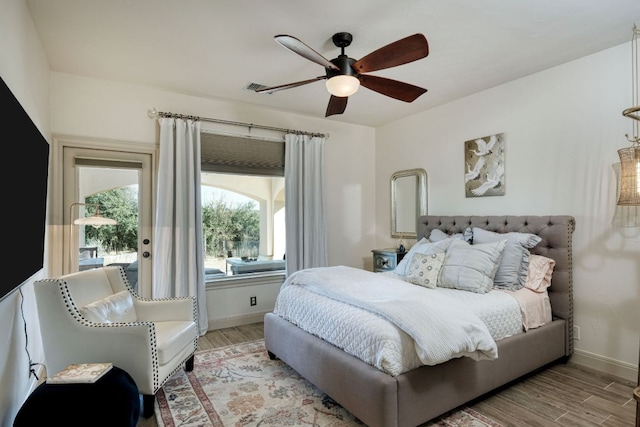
562	395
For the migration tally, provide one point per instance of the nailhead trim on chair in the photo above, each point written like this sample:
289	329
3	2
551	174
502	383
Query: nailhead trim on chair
133	292
76	315
126	282
157	384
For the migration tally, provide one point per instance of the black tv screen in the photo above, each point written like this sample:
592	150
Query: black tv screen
25	193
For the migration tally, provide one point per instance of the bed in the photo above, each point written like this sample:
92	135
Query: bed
417	395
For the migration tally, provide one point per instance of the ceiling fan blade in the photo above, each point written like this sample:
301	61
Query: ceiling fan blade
397	53
289	85
303	50
393	88
337	105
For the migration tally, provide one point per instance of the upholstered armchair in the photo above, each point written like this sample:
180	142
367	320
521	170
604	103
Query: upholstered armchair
95	316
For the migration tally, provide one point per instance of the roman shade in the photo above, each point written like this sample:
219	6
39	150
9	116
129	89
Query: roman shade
241	155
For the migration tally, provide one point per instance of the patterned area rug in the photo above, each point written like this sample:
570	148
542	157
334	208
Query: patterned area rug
239	386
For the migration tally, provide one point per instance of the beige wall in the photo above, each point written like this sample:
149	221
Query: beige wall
562	129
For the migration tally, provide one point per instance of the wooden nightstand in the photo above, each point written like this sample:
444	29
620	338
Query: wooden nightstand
386	259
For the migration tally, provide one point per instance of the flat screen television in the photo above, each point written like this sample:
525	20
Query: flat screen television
25	194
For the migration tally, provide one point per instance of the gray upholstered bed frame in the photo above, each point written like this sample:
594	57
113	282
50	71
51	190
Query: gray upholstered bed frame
424	393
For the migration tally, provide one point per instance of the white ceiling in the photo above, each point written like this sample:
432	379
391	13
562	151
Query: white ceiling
216	48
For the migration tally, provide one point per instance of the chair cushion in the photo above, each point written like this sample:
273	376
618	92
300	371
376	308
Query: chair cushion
112	309
90	285
172	337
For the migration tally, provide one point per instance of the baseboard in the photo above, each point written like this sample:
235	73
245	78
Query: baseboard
620	369
229	322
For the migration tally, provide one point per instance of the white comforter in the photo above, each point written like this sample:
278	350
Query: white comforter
441	328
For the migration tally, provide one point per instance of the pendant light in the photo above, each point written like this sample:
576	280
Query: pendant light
630	156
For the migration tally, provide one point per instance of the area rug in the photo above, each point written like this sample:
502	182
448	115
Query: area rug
239	386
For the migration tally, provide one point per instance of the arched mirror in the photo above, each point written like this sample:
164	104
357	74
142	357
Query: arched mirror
408	201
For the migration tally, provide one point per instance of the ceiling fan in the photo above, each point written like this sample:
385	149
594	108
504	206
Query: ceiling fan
344	75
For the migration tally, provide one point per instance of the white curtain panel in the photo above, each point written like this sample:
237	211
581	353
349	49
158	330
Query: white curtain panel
178	255
304	207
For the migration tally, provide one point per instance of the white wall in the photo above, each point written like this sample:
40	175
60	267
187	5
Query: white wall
24	69
102	110
98	109
562	128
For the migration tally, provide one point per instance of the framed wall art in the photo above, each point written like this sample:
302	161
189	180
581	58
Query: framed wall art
484	166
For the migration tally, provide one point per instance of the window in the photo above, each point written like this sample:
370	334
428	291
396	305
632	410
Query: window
243	200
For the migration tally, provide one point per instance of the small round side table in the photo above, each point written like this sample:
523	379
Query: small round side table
111	401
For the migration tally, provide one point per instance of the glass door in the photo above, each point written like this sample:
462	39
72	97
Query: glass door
102	185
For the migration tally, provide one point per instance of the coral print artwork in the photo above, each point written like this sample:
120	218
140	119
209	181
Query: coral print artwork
484	166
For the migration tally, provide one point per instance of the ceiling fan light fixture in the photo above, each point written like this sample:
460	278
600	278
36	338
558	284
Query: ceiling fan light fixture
343	85
344	75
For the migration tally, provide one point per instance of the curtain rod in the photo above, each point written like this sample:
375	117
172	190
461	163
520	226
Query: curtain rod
153	113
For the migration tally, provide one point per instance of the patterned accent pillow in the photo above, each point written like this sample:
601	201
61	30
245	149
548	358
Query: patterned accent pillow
425	269
424	246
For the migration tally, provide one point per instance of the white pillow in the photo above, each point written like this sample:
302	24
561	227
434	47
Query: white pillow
115	308
425	269
471	267
514	264
424	246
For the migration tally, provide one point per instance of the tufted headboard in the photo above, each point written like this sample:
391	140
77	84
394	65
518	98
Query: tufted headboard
556	232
